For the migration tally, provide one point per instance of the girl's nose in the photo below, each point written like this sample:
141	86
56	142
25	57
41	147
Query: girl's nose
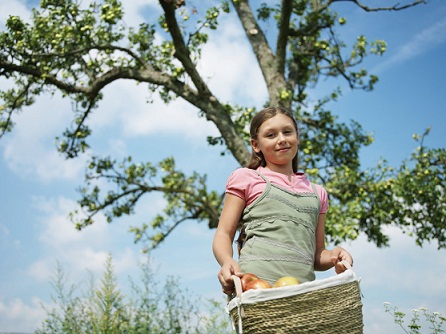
281	138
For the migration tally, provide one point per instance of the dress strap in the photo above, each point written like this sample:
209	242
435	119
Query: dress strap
262	195
316	193
263	177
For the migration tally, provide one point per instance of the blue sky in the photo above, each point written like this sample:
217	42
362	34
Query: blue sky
37	187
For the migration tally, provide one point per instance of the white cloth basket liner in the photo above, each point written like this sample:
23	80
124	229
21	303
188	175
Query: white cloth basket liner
259	295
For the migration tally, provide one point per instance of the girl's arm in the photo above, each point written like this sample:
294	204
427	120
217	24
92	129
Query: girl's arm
324	258
223	241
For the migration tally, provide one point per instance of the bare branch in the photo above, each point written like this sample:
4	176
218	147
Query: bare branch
395	7
282	37
265	56
156	243
181	50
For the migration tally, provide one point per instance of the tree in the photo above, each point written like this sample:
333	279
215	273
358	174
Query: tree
80	51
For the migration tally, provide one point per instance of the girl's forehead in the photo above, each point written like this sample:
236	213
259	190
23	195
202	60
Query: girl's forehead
277	121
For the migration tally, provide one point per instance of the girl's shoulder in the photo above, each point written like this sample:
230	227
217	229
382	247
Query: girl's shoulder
244	171
243	175
245	183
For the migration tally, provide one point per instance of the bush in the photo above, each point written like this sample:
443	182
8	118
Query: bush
434	320
152	308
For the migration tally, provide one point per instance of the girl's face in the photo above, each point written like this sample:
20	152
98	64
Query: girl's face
278	141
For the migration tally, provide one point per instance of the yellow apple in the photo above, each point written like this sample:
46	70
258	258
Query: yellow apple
285	281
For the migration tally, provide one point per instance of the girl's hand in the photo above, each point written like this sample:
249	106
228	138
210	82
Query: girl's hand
337	255
228	269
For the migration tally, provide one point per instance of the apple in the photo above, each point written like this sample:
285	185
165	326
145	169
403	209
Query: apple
246	278
258	284
285	281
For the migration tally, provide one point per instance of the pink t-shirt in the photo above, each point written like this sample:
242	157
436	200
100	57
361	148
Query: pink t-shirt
248	185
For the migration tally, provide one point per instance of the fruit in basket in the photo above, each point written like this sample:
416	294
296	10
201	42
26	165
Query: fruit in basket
247	278
258	284
285	281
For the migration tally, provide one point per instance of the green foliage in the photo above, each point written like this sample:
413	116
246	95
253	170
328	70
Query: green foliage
186	197
241	116
412	197
434	320
152	308
420	187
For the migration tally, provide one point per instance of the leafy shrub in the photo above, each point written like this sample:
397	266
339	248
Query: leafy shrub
434	320
153	308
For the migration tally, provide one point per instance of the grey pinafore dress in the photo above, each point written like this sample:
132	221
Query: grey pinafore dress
280	230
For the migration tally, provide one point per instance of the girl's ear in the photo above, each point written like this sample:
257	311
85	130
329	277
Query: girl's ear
255	145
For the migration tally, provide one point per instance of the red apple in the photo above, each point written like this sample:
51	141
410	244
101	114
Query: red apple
246	278
258	284
285	281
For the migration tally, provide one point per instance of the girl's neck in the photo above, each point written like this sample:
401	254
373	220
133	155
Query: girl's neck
287	171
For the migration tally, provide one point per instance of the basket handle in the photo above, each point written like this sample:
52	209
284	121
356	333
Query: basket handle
346	264
238	295
237	285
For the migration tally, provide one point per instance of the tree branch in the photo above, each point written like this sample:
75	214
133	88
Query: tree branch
82	51
282	37
212	108
396	7
275	82
181	50
46	78
7	124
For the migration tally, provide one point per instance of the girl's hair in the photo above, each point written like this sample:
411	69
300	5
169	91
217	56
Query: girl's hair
257	159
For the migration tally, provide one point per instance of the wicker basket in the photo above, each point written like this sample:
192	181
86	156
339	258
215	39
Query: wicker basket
331	305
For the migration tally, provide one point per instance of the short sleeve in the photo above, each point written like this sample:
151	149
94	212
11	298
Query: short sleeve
238	184
323	197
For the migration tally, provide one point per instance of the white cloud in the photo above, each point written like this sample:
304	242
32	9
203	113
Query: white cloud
13	7
126	104
58	231
8	242
118	147
16	311
420	43
78	251
4	232
402	251
134	10
33	160
227	64
403	274
30	150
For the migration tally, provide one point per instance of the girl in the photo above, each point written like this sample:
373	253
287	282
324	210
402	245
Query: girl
280	213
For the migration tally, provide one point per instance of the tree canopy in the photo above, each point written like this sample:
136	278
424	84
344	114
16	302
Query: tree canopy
79	51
